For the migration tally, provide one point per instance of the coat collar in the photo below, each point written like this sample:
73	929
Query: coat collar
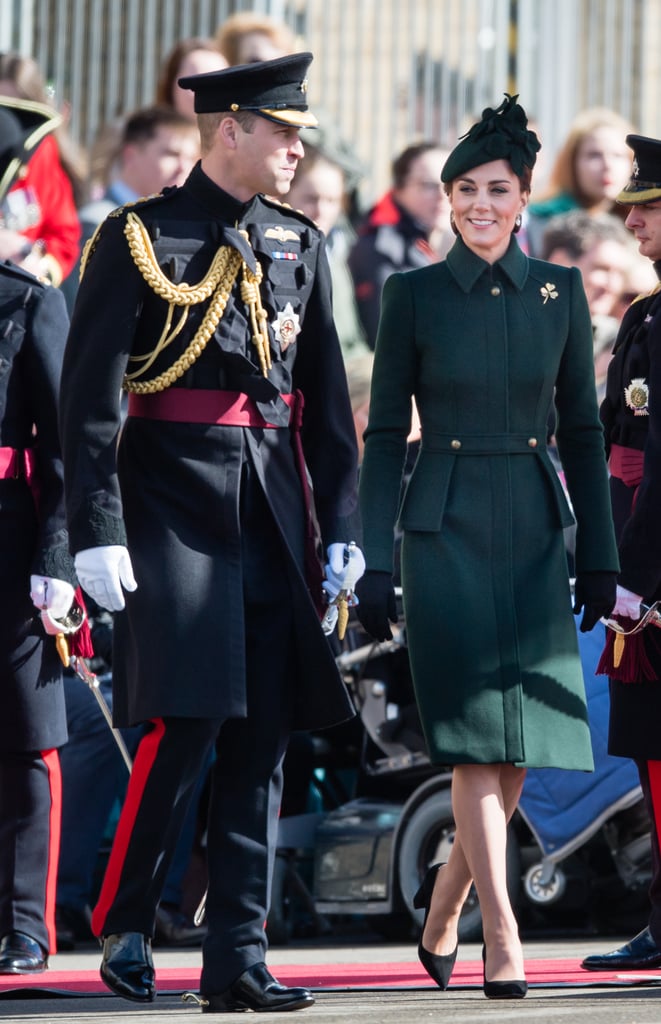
466	267
220	204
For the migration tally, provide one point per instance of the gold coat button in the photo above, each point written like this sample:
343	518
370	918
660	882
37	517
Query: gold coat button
455	444
495	290
532	442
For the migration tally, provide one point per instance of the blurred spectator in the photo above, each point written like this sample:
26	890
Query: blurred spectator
247	37
39	226
600	246
591	166
192	56
408	227
158	148
641	278
319	191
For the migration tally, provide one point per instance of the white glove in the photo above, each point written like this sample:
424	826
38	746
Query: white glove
48	594
627	604
103	571
346	564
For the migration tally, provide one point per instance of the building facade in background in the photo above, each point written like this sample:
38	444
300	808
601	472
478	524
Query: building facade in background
386	72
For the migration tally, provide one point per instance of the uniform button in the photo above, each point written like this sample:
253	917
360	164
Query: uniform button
532	442
455	444
495	290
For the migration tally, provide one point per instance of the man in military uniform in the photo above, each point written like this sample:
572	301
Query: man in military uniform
631	414
35	564
210	304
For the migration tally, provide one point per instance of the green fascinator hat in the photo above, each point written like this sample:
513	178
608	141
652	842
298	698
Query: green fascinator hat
501	134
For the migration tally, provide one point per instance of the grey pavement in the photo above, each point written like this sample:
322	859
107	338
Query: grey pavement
603	1005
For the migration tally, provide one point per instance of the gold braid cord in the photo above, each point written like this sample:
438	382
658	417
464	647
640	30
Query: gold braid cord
217	283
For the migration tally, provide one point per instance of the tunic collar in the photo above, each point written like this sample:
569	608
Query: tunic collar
220	204
467	267
225	208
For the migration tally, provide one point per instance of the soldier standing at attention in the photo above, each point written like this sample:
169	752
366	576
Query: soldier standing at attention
631	414
37	573
210	304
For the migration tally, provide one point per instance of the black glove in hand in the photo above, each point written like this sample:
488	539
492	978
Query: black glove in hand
595	593
376	603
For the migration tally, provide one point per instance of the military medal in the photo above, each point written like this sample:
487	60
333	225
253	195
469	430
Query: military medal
286	326
636	396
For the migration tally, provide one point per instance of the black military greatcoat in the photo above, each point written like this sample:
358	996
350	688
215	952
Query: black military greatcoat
33	328
174	490
631	414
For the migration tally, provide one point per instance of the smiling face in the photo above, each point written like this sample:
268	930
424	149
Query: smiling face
644	219
485	202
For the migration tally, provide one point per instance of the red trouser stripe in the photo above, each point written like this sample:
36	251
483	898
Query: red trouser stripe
142	766
52	761
654	772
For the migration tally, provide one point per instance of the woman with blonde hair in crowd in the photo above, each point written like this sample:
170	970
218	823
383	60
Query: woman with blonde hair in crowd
247	37
591	166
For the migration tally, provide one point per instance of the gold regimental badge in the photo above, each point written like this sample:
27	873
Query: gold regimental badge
637	396
286	326
548	291
282	234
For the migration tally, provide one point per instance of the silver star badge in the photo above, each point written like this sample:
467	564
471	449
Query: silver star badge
286	326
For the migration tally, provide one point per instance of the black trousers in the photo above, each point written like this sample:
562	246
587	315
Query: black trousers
246	784
650	781
30	807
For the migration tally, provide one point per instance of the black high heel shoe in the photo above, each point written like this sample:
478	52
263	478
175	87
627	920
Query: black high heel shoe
502	989
439	968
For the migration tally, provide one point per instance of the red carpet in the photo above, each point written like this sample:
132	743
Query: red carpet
541	973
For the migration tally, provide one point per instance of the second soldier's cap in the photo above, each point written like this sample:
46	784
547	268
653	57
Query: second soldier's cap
274	89
644	185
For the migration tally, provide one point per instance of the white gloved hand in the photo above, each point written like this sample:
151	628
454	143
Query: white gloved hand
346	564
103	571
627	603
48	594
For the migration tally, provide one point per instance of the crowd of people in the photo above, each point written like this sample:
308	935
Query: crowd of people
201	311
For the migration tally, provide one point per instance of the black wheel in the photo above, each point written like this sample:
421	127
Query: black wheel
427	839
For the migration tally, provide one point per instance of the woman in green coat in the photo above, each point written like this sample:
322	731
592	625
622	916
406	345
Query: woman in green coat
486	342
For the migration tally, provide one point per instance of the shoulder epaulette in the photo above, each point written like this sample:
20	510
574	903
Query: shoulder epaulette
284	209
155	197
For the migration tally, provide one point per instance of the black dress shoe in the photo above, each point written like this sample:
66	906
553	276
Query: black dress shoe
19	954
438	967
257	989
127	966
641	954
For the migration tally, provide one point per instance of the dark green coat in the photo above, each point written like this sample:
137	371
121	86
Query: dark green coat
486	595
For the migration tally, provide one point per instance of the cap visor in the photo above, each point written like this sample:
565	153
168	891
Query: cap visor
634	196
295	118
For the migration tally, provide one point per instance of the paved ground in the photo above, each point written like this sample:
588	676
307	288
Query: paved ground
638	1005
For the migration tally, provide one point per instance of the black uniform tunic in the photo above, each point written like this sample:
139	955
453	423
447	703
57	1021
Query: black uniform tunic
636	707
178	491
33	326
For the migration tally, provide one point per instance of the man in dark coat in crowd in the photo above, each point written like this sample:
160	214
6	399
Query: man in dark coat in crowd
35	564
211	305
631	414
